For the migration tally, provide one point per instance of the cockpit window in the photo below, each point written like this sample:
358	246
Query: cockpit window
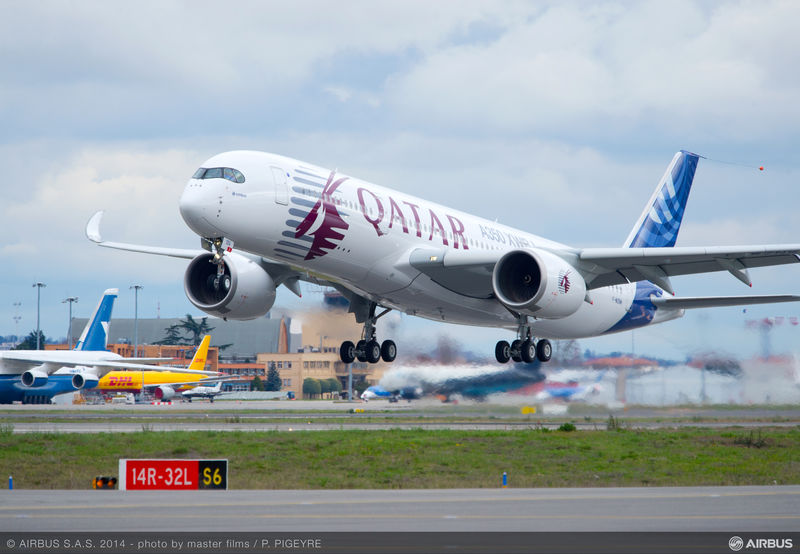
228	173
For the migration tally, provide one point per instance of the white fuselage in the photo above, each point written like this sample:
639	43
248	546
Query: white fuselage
359	234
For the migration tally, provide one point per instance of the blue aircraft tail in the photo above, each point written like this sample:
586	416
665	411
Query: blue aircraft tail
95	334
660	221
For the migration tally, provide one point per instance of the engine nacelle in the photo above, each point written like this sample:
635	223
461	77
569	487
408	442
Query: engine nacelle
34	378
164	392
84	381
244	290
538	283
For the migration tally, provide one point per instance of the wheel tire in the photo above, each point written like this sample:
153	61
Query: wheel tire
388	351
544	350
360	351
528	351
347	352
373	351
502	352
516	349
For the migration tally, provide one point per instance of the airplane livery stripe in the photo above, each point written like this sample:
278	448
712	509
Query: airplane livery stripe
293	245
307	182
290	235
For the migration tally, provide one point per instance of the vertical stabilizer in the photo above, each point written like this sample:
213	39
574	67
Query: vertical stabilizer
660	221
95	334
201	354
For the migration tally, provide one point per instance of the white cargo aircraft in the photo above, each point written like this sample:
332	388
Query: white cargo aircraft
292	221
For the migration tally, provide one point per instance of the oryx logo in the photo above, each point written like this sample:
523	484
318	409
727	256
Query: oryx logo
564	282
329	221
736	543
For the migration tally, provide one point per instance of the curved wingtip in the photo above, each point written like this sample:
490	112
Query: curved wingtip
93	227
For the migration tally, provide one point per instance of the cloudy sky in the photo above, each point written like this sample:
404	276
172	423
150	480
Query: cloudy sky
557	118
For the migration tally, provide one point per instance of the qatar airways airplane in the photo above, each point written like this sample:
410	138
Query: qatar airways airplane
267	220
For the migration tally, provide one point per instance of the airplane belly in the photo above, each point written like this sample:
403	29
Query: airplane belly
610	305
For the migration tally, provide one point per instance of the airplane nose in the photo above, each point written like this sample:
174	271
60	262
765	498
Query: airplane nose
197	207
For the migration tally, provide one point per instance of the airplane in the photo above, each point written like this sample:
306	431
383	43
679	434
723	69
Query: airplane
165	384
93	338
203	391
31	371
376	392
291	221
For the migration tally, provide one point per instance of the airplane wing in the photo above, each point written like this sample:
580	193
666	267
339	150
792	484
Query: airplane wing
470	273
93	234
690	302
52	360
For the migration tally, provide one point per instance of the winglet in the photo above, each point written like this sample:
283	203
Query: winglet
660	221
93	227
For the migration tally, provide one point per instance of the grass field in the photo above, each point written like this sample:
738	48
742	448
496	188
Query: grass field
422	458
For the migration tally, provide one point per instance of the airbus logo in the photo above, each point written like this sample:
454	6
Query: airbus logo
737	543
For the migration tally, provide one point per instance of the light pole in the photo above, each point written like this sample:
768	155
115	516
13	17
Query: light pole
17	317
38	299
71	300
136	289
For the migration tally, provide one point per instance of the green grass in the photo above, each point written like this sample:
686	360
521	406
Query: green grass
422	458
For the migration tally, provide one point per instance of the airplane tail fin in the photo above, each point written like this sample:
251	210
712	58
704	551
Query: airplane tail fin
660	221
200	355
95	334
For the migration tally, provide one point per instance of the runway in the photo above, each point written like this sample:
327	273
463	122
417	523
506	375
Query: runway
734	509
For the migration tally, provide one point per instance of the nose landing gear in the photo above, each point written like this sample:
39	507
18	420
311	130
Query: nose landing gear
368	349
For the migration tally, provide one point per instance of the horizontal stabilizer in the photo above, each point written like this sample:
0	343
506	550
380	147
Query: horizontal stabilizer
690	302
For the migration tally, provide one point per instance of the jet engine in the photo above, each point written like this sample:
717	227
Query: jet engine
84	381
164	392
538	283
244	290
34	378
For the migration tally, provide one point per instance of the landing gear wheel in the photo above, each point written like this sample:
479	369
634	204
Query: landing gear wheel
544	350
388	351
502	352
360	352
528	351
373	351
516	347
347	352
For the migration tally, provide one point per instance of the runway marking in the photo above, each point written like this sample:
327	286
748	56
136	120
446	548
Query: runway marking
414	500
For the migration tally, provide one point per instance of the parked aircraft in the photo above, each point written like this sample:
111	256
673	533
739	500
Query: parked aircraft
93	338
32	369
376	392
203	391
164	384
381	248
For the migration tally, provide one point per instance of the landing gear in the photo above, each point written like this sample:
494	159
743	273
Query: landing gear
368	349
524	348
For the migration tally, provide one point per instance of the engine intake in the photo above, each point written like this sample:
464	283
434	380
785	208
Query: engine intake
84	381
34	378
538	283
244	290
164	392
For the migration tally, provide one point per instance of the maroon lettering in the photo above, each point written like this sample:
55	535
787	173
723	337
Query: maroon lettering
395	208
378	205
416	217
458	232
438	226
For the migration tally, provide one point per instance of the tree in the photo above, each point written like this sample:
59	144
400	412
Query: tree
335	384
257	383
195	330
311	387
324	386
173	335
274	382
29	343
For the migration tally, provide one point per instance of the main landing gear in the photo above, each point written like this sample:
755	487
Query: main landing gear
524	349
368	349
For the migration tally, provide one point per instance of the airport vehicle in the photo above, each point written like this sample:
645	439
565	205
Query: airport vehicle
22	370
164	384
290	221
